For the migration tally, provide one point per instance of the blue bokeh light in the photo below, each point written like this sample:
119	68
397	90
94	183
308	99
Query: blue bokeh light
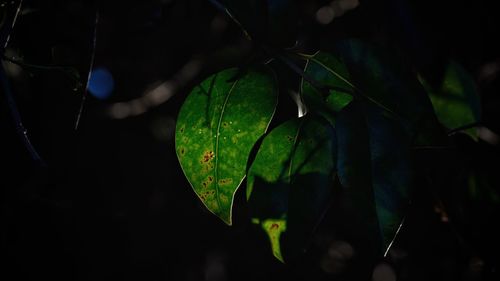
101	83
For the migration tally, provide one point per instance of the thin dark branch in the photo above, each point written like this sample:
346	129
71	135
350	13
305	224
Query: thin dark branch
64	69
316	84
9	22
9	97
91	66
219	6
20	129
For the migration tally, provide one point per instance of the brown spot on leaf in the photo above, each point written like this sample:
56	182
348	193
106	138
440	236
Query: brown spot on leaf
225	181
207	156
274	226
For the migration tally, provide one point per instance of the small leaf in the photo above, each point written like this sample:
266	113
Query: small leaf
332	74
290	182
374	165
457	102
218	125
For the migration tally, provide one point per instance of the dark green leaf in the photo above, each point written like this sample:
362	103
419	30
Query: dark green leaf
218	125
383	79
457	102
332	74
290	182
375	168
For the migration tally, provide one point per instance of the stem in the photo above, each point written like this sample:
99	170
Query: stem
9	97
14	112
315	83
91	66
219	6
65	69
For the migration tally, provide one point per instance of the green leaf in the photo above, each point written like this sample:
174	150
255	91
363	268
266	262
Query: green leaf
374	166
457	102
331	73
383	79
290	182
218	124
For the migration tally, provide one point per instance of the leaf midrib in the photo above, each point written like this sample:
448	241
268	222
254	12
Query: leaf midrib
216	152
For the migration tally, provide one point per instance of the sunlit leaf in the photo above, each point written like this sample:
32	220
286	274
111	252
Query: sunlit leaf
332	74
374	166
457	102
217	126
290	182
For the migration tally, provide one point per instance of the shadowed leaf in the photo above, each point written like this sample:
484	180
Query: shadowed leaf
384	80
290	182
374	166
457	102
332	74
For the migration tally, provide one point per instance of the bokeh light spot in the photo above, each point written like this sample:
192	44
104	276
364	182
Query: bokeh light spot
101	83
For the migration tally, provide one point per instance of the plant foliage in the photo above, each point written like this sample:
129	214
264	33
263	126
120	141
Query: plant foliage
366	111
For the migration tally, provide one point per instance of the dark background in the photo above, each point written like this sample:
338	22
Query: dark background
112	202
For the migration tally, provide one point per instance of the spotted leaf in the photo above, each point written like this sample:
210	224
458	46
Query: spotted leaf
217	126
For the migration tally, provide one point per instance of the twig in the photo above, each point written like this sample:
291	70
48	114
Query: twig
11	103
219	6
64	69
91	66
315	83
20	129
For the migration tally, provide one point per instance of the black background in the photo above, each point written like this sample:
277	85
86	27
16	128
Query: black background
113	204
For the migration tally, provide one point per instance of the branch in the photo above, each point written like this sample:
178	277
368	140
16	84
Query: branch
21	131
9	97
91	66
219	6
